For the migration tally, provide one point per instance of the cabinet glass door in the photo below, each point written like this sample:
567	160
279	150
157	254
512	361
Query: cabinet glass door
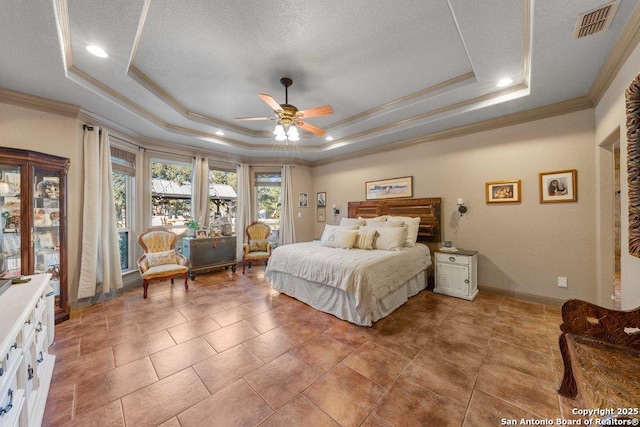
10	236
46	226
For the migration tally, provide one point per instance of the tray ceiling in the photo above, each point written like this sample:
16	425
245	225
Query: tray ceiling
179	72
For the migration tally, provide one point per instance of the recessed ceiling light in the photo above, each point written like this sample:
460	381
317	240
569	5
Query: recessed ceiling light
329	138
97	51
219	133
504	82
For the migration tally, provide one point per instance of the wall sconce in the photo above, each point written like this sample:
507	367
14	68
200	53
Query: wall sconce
336	211
461	207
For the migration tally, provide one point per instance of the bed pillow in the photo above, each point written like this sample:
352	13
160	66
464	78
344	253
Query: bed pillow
329	231
341	238
155	259
390	238
376	220
413	224
389	224
366	237
351	221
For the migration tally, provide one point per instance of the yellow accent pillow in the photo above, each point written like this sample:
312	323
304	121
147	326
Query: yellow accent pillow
161	258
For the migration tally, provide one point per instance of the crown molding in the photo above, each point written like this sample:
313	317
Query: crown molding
624	47
33	102
547	111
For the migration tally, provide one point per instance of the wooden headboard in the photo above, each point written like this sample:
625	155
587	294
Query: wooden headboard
428	209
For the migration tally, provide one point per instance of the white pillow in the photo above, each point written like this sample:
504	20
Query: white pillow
388	224
341	238
414	226
329	231
155	259
366	235
351	221
391	238
376	220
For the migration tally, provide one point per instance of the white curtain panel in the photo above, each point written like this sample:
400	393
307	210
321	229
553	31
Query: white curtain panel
243	217
200	179
100	262
287	226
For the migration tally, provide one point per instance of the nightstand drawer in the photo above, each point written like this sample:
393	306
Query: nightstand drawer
452	258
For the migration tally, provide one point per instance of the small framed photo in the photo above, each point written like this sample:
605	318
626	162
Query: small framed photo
303	200
322	199
202	233
507	191
558	186
322	214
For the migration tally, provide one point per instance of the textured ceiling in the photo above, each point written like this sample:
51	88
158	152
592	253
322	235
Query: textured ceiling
178	72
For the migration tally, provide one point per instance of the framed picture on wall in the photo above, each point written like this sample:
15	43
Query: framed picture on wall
389	188
322	214
322	199
303	200
503	191
558	186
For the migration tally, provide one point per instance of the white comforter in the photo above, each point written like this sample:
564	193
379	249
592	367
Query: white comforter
368	275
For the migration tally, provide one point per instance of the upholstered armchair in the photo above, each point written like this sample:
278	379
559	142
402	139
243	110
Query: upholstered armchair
160	259
257	248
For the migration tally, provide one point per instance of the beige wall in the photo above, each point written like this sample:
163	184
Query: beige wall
304	218
523	247
61	136
611	125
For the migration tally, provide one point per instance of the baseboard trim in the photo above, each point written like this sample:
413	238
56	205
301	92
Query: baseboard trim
554	302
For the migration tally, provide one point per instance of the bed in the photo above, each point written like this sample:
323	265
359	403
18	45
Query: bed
357	285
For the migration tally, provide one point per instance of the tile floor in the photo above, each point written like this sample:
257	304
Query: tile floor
231	351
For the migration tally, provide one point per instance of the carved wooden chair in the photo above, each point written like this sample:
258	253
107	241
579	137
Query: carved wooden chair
257	248
160	259
601	354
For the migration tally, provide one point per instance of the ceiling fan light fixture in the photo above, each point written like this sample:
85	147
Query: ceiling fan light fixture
281	137
292	132
279	130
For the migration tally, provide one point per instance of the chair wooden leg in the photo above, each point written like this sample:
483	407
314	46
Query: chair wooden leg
172	280
243	267
145	285
568	388
186	276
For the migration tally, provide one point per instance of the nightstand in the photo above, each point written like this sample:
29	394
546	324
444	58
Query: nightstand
456	274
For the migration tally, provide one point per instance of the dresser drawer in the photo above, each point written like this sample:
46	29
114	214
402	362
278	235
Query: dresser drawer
452	258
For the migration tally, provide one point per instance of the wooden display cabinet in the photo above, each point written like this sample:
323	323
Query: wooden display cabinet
33	235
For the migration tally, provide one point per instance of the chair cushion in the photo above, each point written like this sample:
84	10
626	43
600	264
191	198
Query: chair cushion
161	258
257	255
258	245
164	270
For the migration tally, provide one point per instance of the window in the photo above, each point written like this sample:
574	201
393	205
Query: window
268	200
123	166
223	196
170	194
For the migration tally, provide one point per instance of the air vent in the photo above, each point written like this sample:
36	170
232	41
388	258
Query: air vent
595	20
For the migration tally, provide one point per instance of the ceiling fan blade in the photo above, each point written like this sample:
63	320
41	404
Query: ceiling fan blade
254	118
270	101
315	112
311	128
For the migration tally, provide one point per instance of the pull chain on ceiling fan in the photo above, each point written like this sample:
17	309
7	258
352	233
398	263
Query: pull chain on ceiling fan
289	117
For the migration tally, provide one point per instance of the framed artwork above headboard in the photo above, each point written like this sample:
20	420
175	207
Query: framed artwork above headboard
428	209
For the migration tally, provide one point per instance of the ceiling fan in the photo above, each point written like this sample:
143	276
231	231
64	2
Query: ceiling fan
289	117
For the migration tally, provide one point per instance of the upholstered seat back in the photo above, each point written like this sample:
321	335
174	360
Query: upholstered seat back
157	240
258	231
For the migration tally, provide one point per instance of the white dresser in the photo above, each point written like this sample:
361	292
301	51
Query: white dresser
26	331
456	274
